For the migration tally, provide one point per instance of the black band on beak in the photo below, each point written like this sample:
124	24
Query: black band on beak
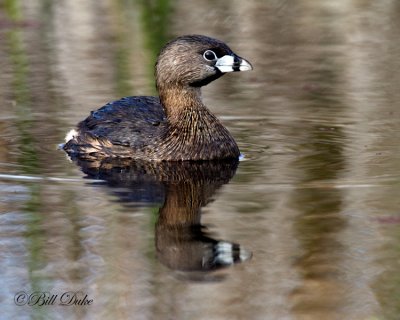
236	63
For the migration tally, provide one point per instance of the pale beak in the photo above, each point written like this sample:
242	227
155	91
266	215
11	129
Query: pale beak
232	63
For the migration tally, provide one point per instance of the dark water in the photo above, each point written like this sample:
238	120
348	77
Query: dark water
315	200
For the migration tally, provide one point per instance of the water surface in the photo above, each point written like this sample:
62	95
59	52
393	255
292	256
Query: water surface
314	202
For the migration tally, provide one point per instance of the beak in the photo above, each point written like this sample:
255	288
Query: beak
232	63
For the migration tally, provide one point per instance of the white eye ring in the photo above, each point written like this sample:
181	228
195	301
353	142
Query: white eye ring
209	55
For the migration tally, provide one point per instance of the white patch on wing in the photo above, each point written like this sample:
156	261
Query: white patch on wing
71	135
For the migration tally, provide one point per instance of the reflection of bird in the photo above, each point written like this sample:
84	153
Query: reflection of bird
174	126
182	242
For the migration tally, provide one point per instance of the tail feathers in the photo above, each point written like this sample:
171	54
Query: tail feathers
71	135
86	146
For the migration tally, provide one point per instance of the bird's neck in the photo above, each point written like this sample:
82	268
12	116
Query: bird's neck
193	131
179	102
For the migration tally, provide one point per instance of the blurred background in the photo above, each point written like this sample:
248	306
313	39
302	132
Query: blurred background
315	199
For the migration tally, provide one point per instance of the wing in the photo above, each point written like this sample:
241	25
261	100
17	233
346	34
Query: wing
132	121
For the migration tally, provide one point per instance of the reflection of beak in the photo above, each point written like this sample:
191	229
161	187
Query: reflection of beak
231	63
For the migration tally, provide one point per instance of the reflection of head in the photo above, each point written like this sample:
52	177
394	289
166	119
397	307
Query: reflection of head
188	248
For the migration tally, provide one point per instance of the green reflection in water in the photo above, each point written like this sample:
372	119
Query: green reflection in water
28	155
387	286
154	21
22	96
123	74
155	17
35	233
75	249
35	238
124	10
11	8
150	248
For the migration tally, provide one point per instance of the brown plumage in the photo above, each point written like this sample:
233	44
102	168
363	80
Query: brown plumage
176	126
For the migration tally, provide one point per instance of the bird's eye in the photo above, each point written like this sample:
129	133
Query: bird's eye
209	55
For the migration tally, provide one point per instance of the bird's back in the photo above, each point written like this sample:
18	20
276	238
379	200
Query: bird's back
132	122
